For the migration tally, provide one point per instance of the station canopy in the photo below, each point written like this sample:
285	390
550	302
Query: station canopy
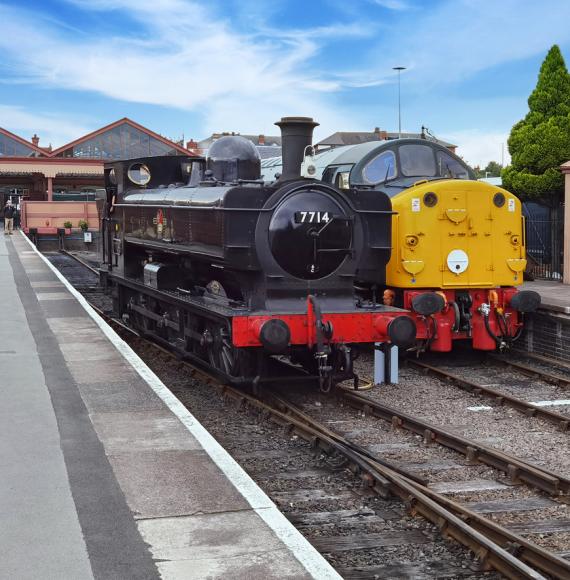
35	171
123	139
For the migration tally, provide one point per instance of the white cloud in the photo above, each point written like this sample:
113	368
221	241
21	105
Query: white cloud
54	129
479	147
189	55
185	56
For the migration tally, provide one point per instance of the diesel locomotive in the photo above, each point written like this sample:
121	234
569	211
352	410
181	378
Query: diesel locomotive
451	234
230	271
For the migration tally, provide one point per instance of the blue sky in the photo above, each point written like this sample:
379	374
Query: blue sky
191	67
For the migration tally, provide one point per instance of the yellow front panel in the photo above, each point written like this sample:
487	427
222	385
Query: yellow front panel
464	240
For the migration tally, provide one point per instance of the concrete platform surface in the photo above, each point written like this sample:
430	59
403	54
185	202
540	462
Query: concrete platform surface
555	295
103	473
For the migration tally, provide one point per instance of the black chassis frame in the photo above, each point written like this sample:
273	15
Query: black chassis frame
216	313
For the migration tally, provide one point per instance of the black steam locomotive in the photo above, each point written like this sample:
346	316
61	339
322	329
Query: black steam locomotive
230	271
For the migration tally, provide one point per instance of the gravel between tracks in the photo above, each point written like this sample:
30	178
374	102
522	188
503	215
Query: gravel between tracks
501	427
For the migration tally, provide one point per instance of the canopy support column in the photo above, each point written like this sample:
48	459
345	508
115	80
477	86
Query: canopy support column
50	188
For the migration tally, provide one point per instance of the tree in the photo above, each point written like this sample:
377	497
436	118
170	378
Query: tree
493	169
540	142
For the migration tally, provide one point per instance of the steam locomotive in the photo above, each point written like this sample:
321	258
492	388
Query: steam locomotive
229	271
451	235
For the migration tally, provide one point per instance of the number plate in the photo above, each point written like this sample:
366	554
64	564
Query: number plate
313	217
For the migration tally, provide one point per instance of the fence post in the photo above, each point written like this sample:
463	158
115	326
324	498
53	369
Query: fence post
566	247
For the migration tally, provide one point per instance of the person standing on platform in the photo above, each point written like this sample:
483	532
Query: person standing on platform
9	212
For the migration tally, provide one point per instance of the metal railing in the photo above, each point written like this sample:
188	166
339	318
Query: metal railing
544	247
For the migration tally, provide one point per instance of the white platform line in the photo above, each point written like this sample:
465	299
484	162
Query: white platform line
312	561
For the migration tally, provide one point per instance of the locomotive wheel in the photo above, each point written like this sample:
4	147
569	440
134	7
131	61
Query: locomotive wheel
222	355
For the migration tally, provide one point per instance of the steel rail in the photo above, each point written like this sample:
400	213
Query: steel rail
419	499
115	322
82	262
562	421
517	469
545	359
550	378
287	407
531	554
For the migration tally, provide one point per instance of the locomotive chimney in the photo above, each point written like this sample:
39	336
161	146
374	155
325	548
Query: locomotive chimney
296	134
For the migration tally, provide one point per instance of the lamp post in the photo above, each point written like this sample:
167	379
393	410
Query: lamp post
399	69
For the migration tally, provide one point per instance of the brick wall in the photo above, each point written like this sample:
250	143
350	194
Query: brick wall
547	334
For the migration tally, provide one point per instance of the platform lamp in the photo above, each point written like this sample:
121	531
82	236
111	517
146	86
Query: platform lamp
399	69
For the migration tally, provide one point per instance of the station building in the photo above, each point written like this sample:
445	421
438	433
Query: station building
31	172
55	187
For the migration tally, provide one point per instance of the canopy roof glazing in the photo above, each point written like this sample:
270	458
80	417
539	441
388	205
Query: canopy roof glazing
11	148
122	142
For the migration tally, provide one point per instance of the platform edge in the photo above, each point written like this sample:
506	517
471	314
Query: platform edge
300	547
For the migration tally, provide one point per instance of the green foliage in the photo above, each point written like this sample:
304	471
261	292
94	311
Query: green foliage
540	143
67	225
493	169
83	225
528	186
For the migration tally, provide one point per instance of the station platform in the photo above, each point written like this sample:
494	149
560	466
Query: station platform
104	474
555	295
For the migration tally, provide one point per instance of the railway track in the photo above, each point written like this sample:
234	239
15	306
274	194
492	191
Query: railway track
534	371
84	263
460	527
517	469
499	397
495	546
540	372
352	528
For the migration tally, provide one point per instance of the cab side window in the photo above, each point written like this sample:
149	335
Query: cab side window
447	166
328	174
381	168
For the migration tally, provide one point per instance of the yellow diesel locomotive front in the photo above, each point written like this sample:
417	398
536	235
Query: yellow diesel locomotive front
458	244
453	234
466	239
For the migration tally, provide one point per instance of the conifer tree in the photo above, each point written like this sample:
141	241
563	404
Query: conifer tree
540	143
